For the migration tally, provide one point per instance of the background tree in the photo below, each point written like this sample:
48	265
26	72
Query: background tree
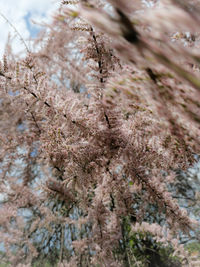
94	126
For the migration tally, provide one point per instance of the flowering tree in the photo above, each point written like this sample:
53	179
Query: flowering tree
93	126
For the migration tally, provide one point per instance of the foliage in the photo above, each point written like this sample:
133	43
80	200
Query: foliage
95	124
194	249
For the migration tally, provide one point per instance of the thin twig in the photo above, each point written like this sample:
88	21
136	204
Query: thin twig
16	31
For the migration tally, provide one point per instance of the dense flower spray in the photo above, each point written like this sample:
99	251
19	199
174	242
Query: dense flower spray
89	125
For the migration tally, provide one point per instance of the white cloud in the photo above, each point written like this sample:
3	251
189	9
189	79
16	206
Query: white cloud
17	12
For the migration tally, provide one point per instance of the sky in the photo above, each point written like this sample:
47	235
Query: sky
21	13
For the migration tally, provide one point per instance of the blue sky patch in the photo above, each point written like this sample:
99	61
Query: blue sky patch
34	30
